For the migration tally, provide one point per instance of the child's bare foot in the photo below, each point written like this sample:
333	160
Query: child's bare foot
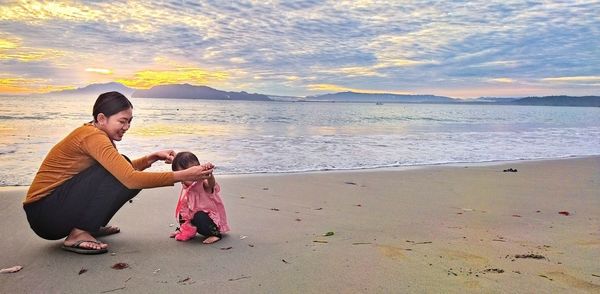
211	239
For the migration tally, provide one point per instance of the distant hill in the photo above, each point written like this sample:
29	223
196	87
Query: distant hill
560	101
368	97
187	91
93	90
183	91
286	98
500	100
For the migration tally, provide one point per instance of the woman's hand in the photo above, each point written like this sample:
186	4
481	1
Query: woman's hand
207	165
194	173
165	155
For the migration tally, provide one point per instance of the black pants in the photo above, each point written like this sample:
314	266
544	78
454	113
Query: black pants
205	225
87	201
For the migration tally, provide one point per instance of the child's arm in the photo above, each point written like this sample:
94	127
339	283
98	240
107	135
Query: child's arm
209	184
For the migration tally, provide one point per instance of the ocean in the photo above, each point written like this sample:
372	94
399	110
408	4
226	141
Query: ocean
246	137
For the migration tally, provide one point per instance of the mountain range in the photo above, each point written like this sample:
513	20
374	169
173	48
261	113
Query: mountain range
94	90
385	97
187	91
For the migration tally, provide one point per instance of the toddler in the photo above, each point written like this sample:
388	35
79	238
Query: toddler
200	208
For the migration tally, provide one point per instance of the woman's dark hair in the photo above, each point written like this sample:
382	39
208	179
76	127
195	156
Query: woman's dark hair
110	103
184	160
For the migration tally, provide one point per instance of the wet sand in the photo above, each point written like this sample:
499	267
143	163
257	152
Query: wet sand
440	229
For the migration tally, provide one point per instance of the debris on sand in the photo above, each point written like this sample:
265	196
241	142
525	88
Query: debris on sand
83	270
120	266
510	170
10	270
417	243
531	255
493	270
544	276
113	290
242	277
350	183
183	281
328	234
564	213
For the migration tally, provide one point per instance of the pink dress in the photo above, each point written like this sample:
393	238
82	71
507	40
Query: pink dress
194	198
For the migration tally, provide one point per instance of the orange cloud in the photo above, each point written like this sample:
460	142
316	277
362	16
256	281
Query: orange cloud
12	50
40	11
28	86
149	78
7	44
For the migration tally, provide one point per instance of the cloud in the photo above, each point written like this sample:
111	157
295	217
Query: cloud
99	71
584	80
337	88
41	11
25	86
11	48
237	60
503	80
149	78
7	44
420	45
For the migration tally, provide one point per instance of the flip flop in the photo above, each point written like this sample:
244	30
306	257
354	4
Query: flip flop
81	250
105	231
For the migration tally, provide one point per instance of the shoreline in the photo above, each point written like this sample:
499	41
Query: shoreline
443	229
376	169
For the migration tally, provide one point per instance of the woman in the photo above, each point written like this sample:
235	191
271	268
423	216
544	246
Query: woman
84	181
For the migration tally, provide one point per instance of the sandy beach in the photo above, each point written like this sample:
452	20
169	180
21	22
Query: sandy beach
436	229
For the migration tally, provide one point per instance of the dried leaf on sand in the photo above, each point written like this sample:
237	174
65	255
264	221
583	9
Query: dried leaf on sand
120	265
10	270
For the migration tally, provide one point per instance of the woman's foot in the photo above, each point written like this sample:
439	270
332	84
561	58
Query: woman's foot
211	239
84	240
105	231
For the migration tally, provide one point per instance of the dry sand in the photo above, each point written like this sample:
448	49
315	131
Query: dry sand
441	229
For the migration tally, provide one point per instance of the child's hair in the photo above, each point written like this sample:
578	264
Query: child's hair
184	160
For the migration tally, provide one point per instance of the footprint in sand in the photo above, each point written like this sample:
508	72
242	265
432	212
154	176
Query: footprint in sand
473	284
572	281
465	256
395	253
588	243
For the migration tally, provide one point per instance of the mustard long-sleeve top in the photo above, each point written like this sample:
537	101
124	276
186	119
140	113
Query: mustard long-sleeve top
82	148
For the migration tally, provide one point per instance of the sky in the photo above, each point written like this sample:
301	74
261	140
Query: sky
460	49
